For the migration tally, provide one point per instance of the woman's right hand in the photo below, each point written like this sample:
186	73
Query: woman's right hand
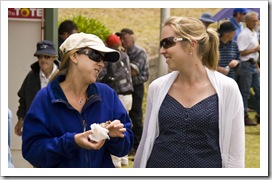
83	141
19	127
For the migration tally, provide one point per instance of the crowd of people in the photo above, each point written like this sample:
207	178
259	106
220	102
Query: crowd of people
239	55
195	116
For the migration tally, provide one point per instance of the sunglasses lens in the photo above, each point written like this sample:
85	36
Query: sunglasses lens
93	55
167	42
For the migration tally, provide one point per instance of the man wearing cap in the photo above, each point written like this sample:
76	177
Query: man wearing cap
75	122
229	52
206	19
118	76
237	19
37	78
139	73
249	71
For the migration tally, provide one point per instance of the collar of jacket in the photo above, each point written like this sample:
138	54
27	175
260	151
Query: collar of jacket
36	68
58	95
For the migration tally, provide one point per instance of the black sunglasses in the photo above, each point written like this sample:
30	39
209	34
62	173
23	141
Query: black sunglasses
92	54
169	42
43	56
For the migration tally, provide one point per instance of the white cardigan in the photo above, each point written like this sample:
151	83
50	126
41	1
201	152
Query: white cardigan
231	119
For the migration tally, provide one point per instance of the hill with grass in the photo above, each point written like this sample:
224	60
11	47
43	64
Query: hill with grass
145	22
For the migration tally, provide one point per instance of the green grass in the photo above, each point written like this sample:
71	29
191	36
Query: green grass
252	145
145	22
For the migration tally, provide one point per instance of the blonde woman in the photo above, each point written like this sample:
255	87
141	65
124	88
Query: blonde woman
194	115
57	126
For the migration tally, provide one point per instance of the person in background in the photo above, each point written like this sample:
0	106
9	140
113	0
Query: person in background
10	162
257	29
57	128
139	73
249	71
206	19
118	76
194	115
37	78
228	49
237	19
66	28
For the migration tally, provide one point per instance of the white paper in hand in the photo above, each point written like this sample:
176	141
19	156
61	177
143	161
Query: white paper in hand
99	133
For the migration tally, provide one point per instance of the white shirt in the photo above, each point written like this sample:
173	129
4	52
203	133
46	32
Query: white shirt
248	39
231	119
44	80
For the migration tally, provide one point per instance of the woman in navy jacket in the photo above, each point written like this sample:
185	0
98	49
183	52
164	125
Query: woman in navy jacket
57	125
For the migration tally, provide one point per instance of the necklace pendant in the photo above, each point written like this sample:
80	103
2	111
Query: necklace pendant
81	101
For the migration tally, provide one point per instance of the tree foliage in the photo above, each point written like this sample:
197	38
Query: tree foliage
90	26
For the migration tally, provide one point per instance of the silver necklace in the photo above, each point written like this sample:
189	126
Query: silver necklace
81	101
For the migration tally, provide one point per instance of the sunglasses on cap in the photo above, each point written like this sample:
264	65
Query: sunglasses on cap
169	42
92	54
43	57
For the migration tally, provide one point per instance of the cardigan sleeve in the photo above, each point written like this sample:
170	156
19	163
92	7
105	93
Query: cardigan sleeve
140	158
231	120
236	153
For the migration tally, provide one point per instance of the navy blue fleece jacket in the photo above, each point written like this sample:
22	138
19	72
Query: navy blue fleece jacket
51	124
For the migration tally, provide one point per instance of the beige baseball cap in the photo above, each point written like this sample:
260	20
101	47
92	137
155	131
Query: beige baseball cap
83	40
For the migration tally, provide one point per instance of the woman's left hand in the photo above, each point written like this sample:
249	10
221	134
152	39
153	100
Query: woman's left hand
233	63
116	129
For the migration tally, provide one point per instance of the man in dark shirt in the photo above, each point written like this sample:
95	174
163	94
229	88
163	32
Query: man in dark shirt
139	74
37	78
66	28
229	52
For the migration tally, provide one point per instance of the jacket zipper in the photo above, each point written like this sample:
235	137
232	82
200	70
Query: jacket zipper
84	129
86	152
84	125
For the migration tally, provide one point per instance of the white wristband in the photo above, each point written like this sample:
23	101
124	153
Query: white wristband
227	68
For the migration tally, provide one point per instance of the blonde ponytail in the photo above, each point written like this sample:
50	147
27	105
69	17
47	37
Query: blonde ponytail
211	57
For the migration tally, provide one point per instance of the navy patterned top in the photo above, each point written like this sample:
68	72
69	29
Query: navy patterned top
189	137
228	52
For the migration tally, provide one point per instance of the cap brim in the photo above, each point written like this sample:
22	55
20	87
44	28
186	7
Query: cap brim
119	34
226	31
207	20
110	55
